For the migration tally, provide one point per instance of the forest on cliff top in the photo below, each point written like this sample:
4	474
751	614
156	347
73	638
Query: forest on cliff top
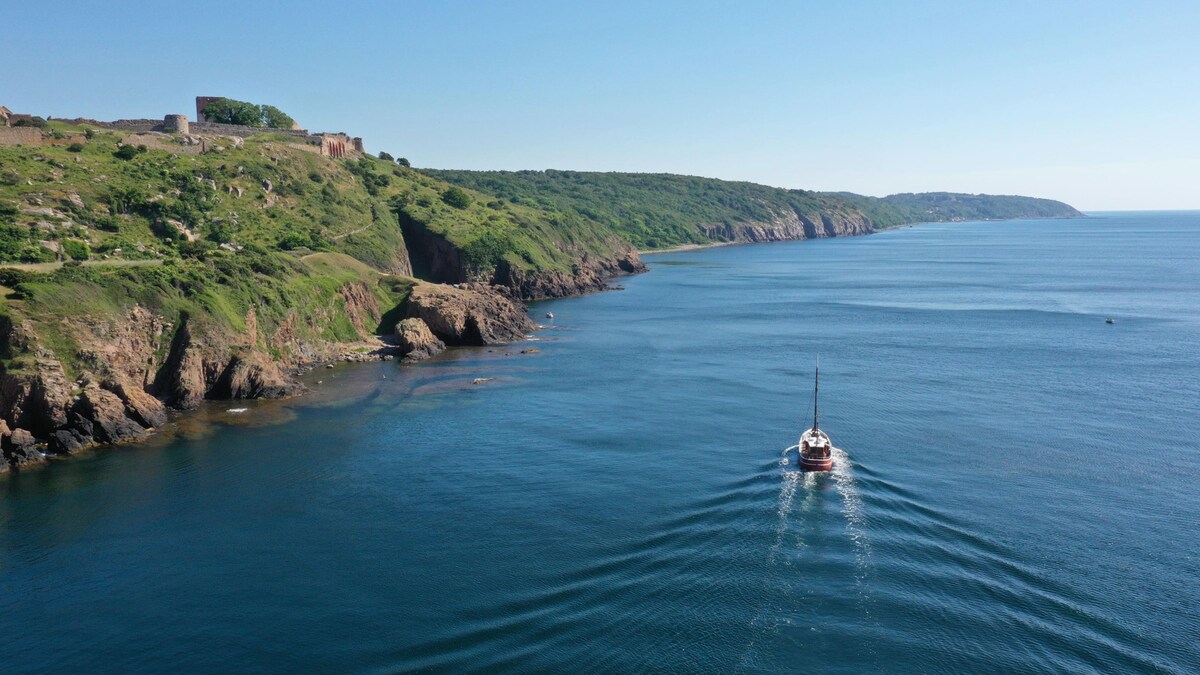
655	210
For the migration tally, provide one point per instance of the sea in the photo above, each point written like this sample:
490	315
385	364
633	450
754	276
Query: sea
1015	487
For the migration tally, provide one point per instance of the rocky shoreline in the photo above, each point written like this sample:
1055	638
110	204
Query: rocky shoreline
123	393
131	376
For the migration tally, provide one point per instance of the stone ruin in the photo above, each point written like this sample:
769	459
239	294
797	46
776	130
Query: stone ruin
335	145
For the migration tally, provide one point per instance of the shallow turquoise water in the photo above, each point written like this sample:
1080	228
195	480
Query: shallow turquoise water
1017	490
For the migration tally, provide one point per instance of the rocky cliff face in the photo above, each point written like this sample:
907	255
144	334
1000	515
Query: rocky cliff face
131	372
433	258
588	276
469	314
792	225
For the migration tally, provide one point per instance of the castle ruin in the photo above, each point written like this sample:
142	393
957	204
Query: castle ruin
336	145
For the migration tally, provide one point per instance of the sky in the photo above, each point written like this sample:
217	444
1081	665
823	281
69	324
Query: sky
1094	103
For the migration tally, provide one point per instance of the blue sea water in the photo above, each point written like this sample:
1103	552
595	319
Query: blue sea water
1016	489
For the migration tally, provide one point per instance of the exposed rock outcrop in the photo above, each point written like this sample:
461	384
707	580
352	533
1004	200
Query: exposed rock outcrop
588	276
469	314
433	258
20	449
416	341
792	225
253	375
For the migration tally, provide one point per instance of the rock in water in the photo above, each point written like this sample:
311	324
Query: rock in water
416	341
472	315
20	448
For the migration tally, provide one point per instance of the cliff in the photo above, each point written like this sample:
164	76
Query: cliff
142	274
129	370
662	210
139	276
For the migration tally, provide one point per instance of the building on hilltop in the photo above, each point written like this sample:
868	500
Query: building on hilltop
202	103
5	113
335	145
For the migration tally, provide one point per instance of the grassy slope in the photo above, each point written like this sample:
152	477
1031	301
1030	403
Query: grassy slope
129	210
660	210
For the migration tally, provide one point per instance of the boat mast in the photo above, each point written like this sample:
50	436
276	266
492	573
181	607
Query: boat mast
816	384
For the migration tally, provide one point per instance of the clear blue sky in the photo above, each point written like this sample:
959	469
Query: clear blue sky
1096	103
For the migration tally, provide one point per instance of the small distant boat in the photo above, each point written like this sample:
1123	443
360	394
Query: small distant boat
815	448
549	315
1110	320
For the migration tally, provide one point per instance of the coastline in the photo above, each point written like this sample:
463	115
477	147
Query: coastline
378	349
696	247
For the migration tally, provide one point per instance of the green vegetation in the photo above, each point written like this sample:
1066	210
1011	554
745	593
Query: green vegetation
267	226
98	225
241	113
456	197
663	210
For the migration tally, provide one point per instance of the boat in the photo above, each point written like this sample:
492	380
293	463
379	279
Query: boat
1110	320
815	448
549	315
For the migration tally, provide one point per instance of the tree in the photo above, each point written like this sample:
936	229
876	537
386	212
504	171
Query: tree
403	161
241	113
275	118
456	197
229	111
385	156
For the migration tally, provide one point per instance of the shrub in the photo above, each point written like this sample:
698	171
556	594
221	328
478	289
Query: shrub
486	250
294	240
125	200
126	152
385	156
196	249
403	161
457	197
11	277
76	249
35	253
75	147
34	121
89	133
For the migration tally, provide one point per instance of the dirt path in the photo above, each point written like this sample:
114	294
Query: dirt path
51	266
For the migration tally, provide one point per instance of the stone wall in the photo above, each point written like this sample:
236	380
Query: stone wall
139	126
336	145
10	136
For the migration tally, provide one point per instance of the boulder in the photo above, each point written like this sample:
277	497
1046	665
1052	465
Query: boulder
469	314
106	411
254	375
416	341
142	407
20	448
